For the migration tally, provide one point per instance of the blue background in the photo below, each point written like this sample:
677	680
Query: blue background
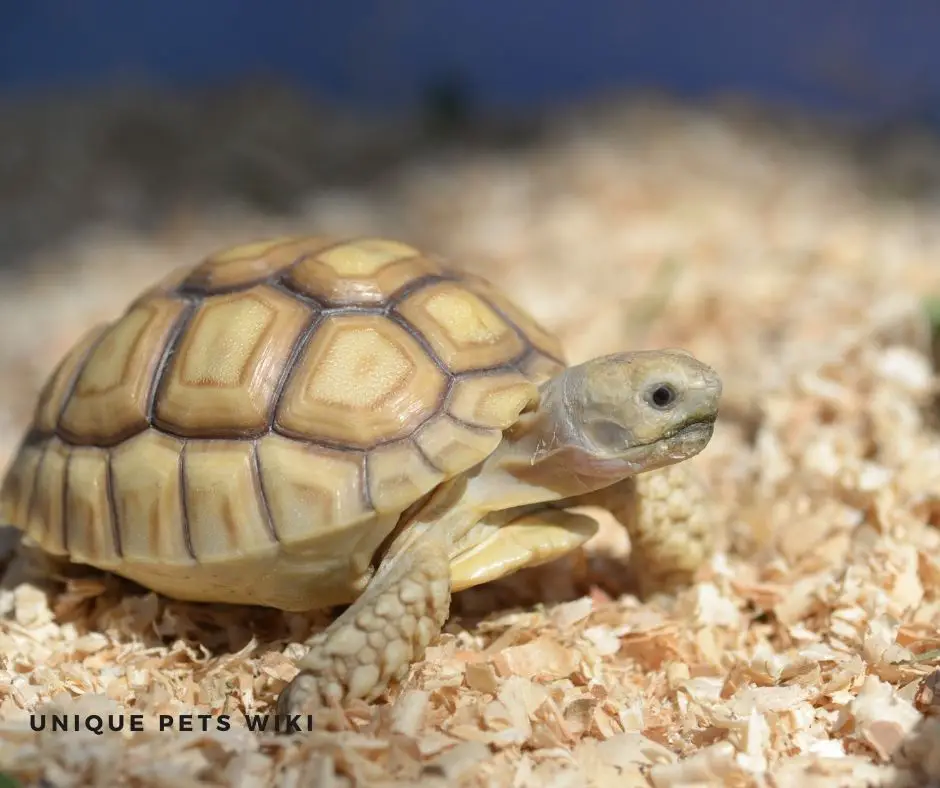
868	57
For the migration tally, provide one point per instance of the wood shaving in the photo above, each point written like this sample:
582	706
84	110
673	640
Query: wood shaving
789	253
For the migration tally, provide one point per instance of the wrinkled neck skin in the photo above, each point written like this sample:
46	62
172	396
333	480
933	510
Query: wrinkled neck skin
534	464
542	458
547	446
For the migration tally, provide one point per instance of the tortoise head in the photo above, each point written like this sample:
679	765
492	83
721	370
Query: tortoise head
623	414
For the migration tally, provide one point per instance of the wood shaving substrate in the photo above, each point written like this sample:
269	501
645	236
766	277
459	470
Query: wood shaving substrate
764	244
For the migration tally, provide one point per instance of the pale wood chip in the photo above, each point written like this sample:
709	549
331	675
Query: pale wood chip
541	659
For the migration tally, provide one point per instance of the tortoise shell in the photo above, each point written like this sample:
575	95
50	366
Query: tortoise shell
244	414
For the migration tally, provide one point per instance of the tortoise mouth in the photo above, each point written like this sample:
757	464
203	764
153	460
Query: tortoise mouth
699	430
692	427
695	426
685	440
693	430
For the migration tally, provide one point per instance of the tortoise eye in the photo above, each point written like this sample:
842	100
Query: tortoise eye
662	396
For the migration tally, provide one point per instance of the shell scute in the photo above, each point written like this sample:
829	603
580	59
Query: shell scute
538	367
251	263
361	380
226	510
110	399
465	332
152	525
221	381
537	335
19	483
59	386
310	491
399	474
46	523
491	401
454	447
364	272
91	527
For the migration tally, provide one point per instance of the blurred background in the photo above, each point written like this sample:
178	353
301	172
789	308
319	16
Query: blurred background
134	109
730	176
756	182
872	57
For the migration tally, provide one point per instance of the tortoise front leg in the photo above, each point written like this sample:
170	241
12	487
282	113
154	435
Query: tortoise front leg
670	521
376	639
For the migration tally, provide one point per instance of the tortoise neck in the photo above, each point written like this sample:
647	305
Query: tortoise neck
537	462
545	449
557	469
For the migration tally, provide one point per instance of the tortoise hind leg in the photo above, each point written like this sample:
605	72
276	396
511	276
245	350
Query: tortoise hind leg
23	561
377	638
10	537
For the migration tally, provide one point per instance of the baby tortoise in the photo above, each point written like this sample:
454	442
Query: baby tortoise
306	422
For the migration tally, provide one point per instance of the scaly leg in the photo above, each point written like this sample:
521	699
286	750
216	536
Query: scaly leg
670	520
376	639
